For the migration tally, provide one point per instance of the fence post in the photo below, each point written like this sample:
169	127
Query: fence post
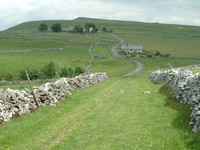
170	66
34	95
57	74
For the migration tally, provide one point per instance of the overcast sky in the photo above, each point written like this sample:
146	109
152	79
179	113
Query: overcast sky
13	12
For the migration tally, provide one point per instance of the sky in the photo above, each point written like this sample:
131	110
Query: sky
186	12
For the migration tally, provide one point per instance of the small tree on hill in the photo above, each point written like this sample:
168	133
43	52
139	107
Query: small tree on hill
43	27
78	29
91	27
104	29
56	27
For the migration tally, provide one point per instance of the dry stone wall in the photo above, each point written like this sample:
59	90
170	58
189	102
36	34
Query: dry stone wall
185	88
20	102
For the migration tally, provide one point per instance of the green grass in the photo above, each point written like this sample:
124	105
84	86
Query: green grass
26	44
194	71
122	27
155	64
180	45
113	67
13	63
102	51
114	114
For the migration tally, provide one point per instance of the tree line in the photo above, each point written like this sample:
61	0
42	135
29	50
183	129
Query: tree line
87	28
56	27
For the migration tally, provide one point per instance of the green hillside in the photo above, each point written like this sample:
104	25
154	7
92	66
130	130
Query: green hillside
114	114
118	26
177	40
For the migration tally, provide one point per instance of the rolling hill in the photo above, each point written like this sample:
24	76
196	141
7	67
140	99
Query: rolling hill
115	114
177	40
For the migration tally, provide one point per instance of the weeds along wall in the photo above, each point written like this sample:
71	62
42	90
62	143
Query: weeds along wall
185	87
20	102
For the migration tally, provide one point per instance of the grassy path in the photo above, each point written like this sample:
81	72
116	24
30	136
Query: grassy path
115	114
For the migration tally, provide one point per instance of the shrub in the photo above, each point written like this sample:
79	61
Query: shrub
104	29
78	71
22	75
34	75
48	71
157	53
70	72
166	55
7	77
64	72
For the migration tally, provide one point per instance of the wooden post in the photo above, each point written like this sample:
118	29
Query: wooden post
170	66
73	73
57	74
34	95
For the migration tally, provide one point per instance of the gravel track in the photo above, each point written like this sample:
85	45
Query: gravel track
115	54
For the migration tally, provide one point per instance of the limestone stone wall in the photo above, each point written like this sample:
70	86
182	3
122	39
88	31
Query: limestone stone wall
185	88
20	102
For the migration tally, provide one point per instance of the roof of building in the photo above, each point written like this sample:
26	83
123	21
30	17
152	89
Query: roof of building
127	46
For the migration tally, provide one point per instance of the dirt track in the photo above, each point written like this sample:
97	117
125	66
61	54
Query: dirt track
117	55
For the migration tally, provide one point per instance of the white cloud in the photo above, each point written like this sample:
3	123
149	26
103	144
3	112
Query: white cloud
13	12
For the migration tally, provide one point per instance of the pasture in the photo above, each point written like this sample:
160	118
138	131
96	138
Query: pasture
114	114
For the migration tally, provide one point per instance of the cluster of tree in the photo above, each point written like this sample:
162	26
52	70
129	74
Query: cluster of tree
49	72
88	28
145	54
106	30
56	27
158	54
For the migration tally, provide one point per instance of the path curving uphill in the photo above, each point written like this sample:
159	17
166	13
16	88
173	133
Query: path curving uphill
115	54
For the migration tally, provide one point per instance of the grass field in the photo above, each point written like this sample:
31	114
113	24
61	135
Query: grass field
114	114
16	44
13	63
102	51
178	45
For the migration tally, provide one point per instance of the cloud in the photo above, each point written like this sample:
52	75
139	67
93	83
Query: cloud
13	12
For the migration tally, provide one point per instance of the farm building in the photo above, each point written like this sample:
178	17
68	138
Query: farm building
70	29
131	48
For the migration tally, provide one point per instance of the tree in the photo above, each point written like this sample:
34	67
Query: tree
104	29
91	27
49	71
56	27
78	29
157	53
43	27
